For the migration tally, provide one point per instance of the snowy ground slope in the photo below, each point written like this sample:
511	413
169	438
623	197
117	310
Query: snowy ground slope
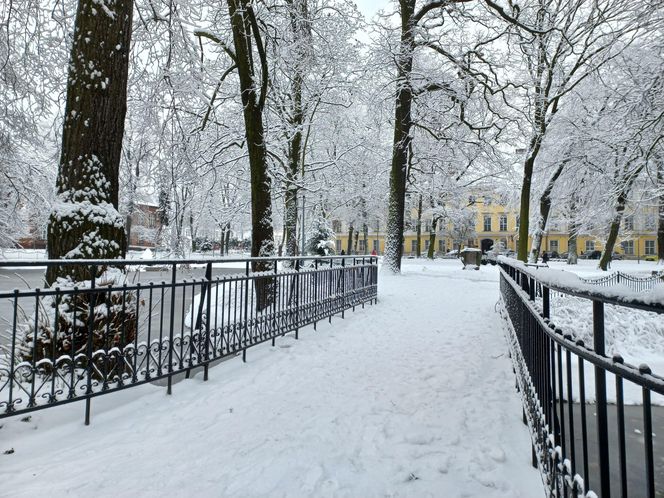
413	397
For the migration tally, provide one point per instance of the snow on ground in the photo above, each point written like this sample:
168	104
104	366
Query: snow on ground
636	335
412	397
589	267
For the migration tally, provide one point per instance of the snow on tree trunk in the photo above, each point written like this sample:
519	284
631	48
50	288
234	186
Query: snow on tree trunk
85	222
572	251
290	220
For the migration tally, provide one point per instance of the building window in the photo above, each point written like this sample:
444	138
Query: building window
590	245
376	245
650	247
413	245
650	222
336	226
503	223
487	222
518	219
426	245
441	246
553	245
629	222
628	247
337	243
361	246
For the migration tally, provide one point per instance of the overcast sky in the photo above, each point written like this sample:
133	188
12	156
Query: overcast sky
370	7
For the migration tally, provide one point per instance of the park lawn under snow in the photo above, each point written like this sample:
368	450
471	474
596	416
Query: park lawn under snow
636	335
412	397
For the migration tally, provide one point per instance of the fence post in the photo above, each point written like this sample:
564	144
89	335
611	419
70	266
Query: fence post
169	389
546	304
600	396
343	287
298	276
246	313
329	289
531	288
91	326
275	306
316	293
208	276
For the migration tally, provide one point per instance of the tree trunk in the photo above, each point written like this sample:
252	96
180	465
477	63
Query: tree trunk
660	221
401	140
613	232
228	237
524	210
290	218
545	209
301	31
128	226
418	229
245	29
572	250
349	247
432	238
85	222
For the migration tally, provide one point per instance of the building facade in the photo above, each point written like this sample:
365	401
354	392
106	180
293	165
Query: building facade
497	225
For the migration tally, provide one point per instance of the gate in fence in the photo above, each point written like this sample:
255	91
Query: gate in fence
135	321
587	437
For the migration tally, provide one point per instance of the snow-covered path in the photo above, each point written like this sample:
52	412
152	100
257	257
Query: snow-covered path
412	397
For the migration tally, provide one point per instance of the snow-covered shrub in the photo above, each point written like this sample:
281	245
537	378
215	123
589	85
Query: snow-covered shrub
63	326
321	238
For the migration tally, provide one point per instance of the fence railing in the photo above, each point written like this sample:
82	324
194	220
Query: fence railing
135	321
585	436
638	284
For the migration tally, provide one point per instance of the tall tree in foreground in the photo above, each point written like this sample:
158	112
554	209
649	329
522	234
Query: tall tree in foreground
253	90
85	222
403	122
660	211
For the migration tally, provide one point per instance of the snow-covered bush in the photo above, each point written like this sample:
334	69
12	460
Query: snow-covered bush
63	326
321	238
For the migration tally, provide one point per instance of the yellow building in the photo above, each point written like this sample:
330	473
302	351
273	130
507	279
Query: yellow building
496	223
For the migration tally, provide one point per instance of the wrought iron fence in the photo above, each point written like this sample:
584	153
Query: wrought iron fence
588	436
140	321
638	284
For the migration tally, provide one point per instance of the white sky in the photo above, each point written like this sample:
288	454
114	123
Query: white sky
370	7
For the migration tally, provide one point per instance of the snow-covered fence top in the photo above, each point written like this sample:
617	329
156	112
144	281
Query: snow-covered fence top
135	321
596	289
567	382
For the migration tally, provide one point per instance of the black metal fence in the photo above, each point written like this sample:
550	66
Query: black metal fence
140	321
637	284
587	437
